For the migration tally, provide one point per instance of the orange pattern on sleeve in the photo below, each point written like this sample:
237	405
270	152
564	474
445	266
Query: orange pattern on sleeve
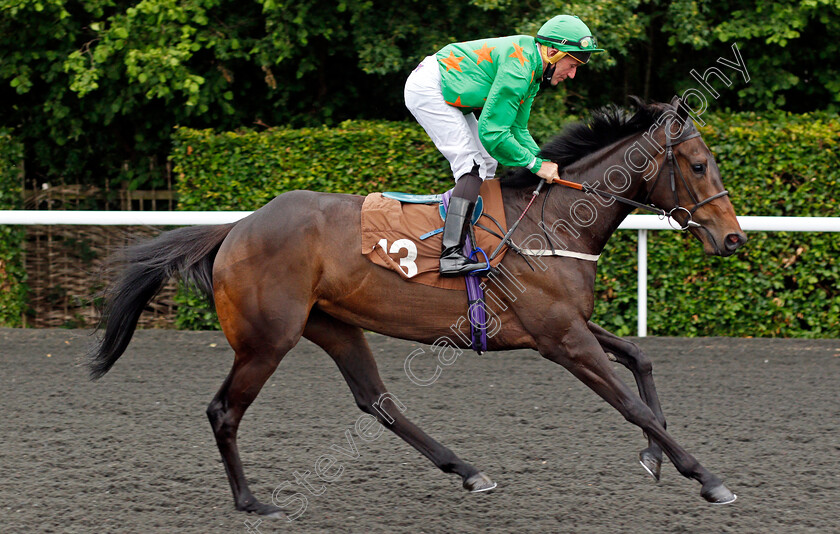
484	53
452	62
518	54
457	103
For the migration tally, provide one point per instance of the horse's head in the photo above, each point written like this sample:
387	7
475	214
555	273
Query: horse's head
689	186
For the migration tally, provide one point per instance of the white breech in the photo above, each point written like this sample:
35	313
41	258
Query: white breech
453	133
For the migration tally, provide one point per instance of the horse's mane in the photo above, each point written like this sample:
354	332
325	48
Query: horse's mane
604	127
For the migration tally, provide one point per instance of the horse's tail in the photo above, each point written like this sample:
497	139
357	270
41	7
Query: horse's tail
188	252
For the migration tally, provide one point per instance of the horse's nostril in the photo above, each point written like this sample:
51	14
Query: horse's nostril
734	241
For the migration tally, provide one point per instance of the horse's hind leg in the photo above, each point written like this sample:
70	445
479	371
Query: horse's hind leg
258	353
348	347
631	356
225	411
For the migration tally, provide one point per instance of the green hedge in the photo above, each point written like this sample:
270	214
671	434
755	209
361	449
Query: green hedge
244	170
779	284
12	273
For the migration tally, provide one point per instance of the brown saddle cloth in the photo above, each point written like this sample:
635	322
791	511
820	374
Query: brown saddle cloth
391	233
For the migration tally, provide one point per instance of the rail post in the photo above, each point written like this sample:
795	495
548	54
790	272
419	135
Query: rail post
642	291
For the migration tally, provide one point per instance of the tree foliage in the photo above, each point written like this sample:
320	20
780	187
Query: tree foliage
652	45
94	87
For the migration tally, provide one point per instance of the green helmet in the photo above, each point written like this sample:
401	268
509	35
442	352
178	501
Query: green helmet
569	34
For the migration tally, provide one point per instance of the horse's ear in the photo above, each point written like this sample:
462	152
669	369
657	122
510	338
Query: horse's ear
682	110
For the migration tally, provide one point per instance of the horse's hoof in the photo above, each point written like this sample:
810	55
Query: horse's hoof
651	462
479	482
717	493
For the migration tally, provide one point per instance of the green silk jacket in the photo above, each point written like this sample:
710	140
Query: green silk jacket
500	76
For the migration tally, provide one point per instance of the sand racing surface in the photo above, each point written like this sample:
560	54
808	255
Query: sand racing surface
134	452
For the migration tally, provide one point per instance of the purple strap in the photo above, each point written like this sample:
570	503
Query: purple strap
475	296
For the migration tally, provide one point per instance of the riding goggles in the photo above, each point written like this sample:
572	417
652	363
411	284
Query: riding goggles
586	46
585	43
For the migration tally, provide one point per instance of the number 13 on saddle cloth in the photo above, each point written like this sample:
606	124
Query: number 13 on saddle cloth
394	235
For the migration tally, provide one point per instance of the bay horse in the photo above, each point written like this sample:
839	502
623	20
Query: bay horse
293	268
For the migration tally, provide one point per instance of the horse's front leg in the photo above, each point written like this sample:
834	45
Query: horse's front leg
579	351
631	356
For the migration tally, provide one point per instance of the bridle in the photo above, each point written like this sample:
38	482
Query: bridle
673	170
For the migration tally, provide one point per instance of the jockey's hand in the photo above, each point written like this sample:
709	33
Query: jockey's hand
548	171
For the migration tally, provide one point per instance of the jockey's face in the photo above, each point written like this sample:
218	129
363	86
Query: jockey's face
565	68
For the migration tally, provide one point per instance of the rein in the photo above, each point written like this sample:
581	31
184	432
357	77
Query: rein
589	190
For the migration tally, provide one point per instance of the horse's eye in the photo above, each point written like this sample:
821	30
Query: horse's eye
699	168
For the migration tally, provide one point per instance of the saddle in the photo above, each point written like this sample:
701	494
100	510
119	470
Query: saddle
401	232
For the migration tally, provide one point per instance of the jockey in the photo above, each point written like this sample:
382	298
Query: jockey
500	77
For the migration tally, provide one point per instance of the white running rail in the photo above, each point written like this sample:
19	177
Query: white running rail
641	223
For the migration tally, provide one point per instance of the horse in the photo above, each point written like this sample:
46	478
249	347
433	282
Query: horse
292	269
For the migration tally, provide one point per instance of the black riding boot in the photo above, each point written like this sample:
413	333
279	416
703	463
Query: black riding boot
452	260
